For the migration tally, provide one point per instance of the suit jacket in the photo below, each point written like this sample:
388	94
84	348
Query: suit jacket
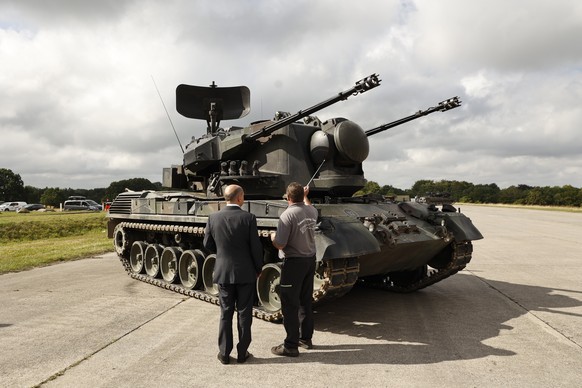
232	234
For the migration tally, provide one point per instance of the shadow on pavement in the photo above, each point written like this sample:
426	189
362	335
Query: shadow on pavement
446	322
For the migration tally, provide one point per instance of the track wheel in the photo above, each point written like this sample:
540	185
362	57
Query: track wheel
152	259
268	287
190	269
120	241
136	256
207	272
169	263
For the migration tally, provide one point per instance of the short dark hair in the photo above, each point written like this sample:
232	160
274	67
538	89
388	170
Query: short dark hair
295	192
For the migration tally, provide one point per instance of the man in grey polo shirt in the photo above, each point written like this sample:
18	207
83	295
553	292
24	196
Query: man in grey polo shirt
295	237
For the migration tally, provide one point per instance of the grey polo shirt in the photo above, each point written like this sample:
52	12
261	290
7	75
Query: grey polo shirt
296	230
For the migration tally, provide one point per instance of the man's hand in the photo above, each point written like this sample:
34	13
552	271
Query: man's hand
305	193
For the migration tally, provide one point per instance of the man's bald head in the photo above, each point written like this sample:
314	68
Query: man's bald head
233	194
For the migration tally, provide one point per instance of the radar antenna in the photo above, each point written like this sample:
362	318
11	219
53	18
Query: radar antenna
164	105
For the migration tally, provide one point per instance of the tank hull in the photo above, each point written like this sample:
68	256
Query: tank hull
396	246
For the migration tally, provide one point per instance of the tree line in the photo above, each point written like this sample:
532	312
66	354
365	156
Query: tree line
461	191
13	189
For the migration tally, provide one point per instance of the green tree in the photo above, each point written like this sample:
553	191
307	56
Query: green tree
391	190
514	194
371	187
568	196
538	196
52	197
484	193
11	186
135	184
32	194
421	188
455	189
97	194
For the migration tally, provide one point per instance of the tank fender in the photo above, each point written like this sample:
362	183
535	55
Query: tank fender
343	238
461	227
414	209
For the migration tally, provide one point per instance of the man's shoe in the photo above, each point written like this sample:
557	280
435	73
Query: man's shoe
281	350
306	344
241	360
223	359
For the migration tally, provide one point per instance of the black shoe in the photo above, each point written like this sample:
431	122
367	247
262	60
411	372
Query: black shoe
223	359
281	350
306	344
241	360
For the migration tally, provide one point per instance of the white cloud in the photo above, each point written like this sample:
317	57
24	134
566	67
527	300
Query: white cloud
79	108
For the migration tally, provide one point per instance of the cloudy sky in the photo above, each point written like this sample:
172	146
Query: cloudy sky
78	107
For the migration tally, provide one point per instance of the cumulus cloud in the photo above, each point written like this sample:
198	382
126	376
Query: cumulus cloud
79	108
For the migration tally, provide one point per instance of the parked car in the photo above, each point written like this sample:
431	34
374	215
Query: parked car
32	206
11	206
84	204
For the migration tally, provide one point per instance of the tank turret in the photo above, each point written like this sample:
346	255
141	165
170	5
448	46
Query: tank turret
268	155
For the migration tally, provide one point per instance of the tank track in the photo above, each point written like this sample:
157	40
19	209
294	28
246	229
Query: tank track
336	276
462	253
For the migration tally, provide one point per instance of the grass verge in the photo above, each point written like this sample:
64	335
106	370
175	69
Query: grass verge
28	242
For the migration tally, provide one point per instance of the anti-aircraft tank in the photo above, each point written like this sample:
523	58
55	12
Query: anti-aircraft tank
399	247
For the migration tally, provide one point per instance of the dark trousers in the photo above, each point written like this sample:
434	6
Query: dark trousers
237	297
296	292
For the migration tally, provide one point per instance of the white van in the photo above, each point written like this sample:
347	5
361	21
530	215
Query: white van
11	206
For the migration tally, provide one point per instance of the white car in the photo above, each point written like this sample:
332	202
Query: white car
11	206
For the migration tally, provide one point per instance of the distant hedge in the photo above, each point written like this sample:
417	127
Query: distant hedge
36	226
461	191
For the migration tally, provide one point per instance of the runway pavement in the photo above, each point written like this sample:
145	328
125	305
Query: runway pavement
513	318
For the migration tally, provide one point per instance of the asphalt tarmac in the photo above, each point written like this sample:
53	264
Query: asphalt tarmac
512	318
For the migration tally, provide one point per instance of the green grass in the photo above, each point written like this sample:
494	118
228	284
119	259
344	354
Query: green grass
36	239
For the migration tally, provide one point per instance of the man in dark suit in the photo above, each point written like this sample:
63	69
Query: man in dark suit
232	234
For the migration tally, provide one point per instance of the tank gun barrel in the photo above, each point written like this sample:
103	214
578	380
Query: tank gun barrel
442	106
360	87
